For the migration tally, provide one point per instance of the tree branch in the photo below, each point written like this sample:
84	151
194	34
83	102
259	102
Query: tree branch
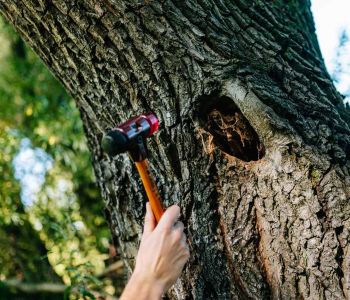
46	287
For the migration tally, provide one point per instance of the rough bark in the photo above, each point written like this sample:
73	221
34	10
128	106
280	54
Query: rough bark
225	78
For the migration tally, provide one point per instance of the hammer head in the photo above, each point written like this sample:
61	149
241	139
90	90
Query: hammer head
130	135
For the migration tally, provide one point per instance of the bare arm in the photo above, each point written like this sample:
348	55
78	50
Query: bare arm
162	255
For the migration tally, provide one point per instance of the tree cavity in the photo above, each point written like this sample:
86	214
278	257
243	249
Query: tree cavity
231	131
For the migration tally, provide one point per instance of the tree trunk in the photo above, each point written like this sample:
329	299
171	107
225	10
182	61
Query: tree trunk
254	143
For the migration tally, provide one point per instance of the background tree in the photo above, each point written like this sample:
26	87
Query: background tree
22	253
254	142
56	234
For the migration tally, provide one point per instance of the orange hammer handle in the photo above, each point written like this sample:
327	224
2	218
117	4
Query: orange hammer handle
151	188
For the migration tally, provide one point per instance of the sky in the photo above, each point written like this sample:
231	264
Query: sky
331	19
31	165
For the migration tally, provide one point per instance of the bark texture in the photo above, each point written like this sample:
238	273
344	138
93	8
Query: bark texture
254	142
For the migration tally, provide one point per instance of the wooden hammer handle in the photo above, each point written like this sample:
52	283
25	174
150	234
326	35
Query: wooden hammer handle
151	188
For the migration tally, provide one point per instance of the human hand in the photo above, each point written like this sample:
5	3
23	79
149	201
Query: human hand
163	251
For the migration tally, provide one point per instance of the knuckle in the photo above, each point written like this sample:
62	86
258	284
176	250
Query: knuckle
186	249
165	231
183	247
177	236
179	229
185	252
181	225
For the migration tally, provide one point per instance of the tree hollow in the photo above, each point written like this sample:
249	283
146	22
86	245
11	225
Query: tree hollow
230	129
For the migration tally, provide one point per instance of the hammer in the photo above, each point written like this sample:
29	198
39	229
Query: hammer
131	136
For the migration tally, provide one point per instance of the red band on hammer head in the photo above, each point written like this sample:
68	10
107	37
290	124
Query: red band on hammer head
153	123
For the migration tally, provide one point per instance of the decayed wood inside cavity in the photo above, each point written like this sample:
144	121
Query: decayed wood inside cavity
231	131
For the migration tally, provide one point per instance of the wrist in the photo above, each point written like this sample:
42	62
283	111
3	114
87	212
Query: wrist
146	287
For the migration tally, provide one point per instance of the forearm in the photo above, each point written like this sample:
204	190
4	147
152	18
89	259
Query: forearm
141	289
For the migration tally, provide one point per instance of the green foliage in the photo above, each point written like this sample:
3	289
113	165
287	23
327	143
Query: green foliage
33	101
66	221
22	252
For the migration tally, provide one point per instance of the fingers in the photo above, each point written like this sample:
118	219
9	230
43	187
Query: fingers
179	226
169	217
150	222
180	236
183	240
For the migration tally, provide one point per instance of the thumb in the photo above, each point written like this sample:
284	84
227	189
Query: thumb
150	221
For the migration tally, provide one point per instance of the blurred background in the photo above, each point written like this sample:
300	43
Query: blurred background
52	227
54	242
